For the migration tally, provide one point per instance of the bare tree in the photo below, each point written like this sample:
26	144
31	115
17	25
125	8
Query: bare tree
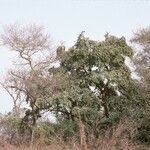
31	79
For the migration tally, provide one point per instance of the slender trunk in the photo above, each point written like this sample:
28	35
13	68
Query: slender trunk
106	110
32	139
33	126
104	103
83	143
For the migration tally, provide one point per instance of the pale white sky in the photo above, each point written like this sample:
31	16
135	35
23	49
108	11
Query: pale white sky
65	19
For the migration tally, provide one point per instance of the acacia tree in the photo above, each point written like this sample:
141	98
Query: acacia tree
29	78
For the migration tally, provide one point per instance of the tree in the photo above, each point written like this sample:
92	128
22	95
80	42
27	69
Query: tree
141	62
29	80
93	84
142	58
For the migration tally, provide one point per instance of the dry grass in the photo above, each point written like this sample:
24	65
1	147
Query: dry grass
102	145
117	141
4	145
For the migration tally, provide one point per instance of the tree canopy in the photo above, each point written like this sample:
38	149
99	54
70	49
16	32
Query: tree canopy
91	89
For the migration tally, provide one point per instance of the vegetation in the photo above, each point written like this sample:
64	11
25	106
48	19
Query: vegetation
88	90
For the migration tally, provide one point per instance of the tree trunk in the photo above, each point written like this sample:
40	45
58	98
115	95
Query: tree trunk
104	101
83	143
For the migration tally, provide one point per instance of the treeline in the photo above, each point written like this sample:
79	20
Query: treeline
88	88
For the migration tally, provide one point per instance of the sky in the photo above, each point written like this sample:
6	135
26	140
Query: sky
64	20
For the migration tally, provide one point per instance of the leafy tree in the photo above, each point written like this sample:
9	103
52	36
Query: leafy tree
93	83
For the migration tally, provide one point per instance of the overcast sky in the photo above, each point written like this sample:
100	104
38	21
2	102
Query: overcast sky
65	19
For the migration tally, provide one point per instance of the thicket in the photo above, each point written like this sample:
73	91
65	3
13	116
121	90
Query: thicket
88	89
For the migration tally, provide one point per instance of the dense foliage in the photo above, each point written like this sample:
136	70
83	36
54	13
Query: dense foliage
89	92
